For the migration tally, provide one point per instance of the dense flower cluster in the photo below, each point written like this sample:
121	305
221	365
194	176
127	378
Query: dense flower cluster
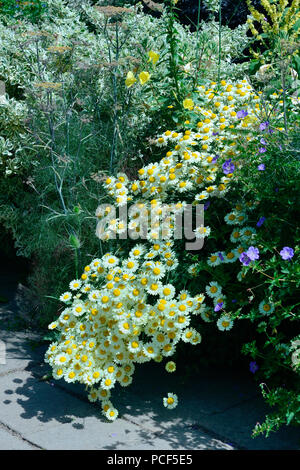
125	309
106	313
282	16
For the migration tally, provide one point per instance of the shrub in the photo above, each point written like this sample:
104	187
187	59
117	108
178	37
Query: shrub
235	158
77	127
67	114
135	307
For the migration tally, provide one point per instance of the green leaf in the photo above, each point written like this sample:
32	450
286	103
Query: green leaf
254	66
296	62
74	241
290	415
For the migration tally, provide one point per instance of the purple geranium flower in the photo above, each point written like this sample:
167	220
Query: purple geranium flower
253	367
252	253
262	150
263	126
221	256
263	142
287	253
244	259
261	167
228	167
219	306
206	205
215	158
260	222
241	114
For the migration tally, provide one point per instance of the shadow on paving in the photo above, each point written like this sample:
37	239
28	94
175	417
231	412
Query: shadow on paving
35	400
47	414
216	410
224	404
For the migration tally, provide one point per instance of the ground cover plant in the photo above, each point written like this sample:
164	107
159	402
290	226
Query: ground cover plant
208	118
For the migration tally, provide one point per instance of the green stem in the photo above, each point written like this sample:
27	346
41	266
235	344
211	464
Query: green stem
115	97
220	41
197	42
284	100
280	365
173	60
76	262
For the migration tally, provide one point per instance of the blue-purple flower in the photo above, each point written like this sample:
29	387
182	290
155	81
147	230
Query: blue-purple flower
228	167
287	253
263	126
261	167
219	306
244	259
242	114
262	149
252	253
206	205
253	367
261	221
221	256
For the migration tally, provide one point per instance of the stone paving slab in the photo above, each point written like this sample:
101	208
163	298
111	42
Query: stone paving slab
204	413
51	418
233	425
147	411
19	351
239	421
120	435
200	396
10	442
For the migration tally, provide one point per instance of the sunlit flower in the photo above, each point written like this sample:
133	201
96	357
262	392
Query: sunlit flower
144	77
65	297
188	103
153	57
130	79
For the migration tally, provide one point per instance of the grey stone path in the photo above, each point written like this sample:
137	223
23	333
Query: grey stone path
217	409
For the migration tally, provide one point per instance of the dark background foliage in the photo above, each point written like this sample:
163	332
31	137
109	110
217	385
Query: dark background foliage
234	12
